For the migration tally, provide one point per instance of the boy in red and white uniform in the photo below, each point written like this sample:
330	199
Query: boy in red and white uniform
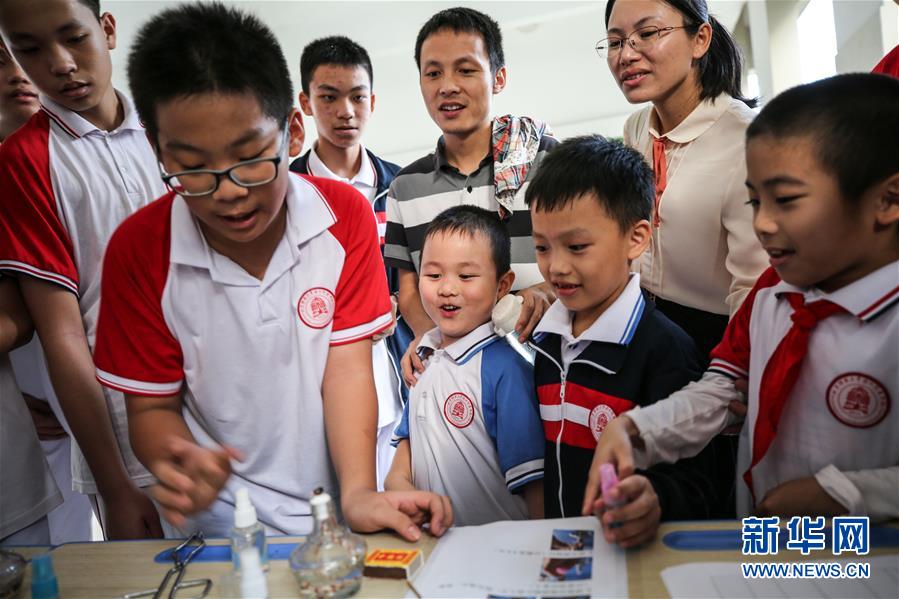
71	521
69	176
817	335
238	309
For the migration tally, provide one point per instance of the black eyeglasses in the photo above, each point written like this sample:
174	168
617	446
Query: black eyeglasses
248	173
639	39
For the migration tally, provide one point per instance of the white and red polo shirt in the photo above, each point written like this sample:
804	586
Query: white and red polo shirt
66	185
840	422
247	356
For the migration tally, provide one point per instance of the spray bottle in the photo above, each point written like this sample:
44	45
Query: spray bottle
247	531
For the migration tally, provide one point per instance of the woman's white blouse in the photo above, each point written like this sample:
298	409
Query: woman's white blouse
704	253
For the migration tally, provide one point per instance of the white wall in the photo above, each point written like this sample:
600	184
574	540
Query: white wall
554	73
860	27
865	31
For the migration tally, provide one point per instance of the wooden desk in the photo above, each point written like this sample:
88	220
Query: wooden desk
107	570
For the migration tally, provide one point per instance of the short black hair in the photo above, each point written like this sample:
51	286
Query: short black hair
618	176
471	220
852	120
335	49
465	20
201	48
94	5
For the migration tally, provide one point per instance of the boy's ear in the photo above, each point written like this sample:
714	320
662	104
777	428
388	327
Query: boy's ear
888	202
499	80
504	284
297	133
638	239
372	102
108	25
305	103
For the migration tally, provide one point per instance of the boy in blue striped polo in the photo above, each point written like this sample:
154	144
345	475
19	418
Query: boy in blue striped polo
471	429
602	347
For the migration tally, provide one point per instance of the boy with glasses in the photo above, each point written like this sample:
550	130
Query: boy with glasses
238	309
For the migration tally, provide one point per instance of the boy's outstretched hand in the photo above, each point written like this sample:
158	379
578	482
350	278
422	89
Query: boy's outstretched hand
615	447
630	515
403	511
190	478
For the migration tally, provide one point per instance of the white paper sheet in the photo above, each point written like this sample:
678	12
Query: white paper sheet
538	558
716	580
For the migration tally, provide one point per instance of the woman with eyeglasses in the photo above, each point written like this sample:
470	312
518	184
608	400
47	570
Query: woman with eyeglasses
704	256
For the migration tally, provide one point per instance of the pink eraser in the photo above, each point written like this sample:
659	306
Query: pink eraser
608	478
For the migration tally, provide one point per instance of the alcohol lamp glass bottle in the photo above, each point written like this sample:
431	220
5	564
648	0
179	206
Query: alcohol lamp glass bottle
329	563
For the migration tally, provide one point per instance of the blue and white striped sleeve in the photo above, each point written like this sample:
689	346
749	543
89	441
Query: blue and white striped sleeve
511	414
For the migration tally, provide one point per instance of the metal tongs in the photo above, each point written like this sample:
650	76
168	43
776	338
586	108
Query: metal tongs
177	570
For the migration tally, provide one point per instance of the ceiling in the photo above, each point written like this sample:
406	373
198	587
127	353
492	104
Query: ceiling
553	71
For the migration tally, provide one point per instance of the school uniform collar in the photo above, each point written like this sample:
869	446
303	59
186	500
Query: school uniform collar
697	122
867	298
308	215
616	325
366	175
77	126
461	350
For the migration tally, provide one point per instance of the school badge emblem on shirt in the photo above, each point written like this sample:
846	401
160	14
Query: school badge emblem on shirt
459	410
600	417
316	307
858	400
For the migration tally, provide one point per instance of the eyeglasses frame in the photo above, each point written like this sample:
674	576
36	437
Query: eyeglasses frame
627	39
276	160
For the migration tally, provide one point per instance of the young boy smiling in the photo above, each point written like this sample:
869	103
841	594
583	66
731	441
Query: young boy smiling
816	337
603	348
238	309
471	429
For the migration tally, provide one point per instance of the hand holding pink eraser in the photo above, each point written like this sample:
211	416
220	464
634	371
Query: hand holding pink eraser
609	480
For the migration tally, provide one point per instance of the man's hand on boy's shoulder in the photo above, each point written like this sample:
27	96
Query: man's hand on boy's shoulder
411	363
190	478
537	300
402	511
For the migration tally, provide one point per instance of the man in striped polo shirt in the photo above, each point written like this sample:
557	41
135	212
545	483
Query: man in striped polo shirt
478	160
